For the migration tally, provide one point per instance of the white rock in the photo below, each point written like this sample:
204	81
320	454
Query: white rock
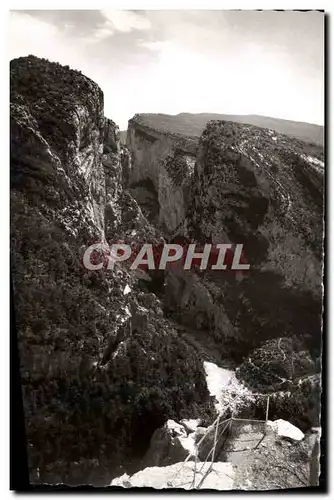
225	387
216	378
181	476
286	430
191	424
121	481
127	290
178	429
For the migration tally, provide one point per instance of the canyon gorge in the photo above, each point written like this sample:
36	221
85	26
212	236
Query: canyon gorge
108	357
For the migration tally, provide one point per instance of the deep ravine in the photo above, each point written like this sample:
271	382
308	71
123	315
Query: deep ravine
108	357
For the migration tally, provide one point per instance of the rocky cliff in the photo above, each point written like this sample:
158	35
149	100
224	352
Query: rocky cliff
167	161
247	185
101	367
264	190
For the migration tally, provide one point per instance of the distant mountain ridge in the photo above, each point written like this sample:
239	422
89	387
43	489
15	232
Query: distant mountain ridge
193	124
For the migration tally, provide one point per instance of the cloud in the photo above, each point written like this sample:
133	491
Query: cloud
241	62
27	36
121	21
101	33
154	46
126	20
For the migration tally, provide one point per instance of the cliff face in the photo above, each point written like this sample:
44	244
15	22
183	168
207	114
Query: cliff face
167	161
67	133
264	190
249	186
92	343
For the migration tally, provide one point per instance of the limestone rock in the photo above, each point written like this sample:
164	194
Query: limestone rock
300	404
166	161
169	444
175	175
191	425
111	139
315	456
262	460
181	476
285	430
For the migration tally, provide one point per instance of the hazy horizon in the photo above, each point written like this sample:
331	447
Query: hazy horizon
229	114
267	63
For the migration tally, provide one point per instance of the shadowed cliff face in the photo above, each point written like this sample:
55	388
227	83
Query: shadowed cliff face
264	190
56	137
97	364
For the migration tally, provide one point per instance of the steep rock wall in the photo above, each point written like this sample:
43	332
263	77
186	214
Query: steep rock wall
264	190
54	142
153	156
175	174
92	344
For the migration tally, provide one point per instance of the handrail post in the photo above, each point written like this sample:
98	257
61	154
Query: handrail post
193	486
215	441
267	410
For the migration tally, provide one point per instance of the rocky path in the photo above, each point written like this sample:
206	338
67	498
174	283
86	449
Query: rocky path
222	382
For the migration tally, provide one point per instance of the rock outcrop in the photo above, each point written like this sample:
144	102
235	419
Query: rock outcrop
55	138
170	444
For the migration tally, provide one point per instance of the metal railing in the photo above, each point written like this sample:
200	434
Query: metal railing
227	423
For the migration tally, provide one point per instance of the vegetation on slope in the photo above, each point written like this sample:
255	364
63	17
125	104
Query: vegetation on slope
52	93
193	124
80	413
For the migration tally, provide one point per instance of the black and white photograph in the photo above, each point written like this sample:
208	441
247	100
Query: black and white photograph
167	225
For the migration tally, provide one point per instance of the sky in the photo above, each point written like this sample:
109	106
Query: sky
232	62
